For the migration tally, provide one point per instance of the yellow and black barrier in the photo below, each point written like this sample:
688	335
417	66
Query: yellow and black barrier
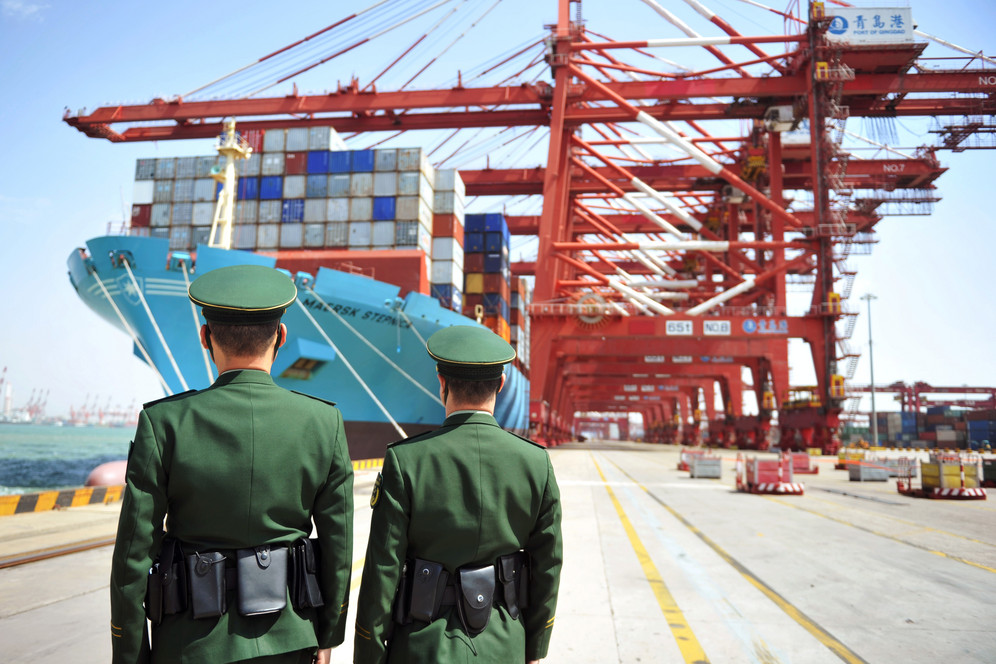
54	500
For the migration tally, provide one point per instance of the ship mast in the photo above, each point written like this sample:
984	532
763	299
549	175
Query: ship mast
231	146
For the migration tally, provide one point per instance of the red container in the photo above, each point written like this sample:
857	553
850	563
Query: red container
141	215
254	137
405	268
473	263
495	283
447	225
296	163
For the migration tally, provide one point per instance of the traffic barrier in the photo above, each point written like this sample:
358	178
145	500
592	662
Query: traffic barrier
55	500
944	476
801	465
768	476
685	457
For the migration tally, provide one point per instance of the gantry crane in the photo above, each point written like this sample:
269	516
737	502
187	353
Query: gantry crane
660	276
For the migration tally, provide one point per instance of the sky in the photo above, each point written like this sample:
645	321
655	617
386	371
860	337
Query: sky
933	277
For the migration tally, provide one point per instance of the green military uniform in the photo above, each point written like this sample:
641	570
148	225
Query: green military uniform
461	496
239	464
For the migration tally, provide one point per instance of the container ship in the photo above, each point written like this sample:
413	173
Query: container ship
377	242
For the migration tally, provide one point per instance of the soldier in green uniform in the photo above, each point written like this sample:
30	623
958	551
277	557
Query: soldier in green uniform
239	472
465	551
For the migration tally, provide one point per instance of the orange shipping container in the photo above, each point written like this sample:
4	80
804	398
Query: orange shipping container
296	163
447	225
405	268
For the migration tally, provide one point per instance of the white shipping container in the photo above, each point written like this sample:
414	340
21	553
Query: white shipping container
382	234
415	159
143	192
447	272
179	237
425	241
360	233
199	236
447	249
273	163
386	159
316	209
314	235
160	214
406	234
413	208
252	166
297	139
338	209
270	211
447	202
337	234
448	179
163	192
246	212
244	236
183	191
291	235
204	189
324	138
361	184
145	169
203	214
268	235
273	140
360	209
339	185
385	184
295	186
408	183
204	166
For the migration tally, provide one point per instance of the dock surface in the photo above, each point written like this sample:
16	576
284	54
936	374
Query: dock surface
659	567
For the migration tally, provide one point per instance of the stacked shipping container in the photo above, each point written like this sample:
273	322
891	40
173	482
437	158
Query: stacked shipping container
447	239
940	427
487	274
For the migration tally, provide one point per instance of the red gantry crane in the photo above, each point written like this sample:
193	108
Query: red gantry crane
664	252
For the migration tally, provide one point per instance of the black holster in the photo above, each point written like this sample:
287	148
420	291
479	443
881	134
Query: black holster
262	574
476	586
305	590
208	587
427	586
166	591
513	575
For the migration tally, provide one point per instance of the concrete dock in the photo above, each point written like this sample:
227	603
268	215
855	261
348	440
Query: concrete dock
659	567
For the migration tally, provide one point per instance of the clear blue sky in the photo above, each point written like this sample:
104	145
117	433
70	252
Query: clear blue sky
933	276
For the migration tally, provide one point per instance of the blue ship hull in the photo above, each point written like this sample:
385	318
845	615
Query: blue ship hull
340	321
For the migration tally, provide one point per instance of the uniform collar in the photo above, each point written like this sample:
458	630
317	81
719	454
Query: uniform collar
244	376
470	417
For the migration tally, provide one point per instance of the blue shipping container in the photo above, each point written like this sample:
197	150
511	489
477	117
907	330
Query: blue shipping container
473	223
339	161
292	211
271	187
318	162
362	161
316	186
473	243
495	242
448	295
495	305
495	221
495	262
383	208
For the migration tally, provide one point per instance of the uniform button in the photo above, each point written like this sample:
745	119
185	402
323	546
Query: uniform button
480	598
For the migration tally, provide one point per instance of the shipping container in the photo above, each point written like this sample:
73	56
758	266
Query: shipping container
254	139
186	167
163	192
385	184
253	166
274	140
160	215
145	169
448	179
247	189
339	162
297	139
295	163
179	237
361	184
270	211
360	209
244	236
203	214
447	202
414	159
268	236
205	166
318	163
315	209
339	185
183	190
141	215
337	234
495	305
206	189
448	295
448	225
143	192
271	187
314	234
246	212
406	233
386	159
338	209
413	208
382	234
183	214
473	243
201	235
498	263
472	262
291	235
360	233
361	161
447	249
383	208
324	138
447	272
495	242
292	211
473	223
473	283
166	168
295	186
272	164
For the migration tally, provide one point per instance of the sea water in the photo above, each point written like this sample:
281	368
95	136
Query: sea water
42	457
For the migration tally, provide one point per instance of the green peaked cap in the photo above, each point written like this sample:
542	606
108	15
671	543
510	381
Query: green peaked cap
469	353
243	294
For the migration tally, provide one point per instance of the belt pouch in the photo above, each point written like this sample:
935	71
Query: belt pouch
477	589
262	575
154	595
511	574
304	588
174	578
428	582
206	572
403	597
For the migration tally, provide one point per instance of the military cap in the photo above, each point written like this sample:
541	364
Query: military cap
469	353
243	294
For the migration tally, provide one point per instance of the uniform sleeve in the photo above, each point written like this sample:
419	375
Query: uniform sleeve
137	544
546	554
333	515
386	549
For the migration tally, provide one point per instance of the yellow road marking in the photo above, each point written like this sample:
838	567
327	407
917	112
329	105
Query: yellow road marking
689	646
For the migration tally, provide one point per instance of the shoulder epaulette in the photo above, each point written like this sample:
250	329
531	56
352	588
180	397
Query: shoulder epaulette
532	442
415	438
168	398
312	396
